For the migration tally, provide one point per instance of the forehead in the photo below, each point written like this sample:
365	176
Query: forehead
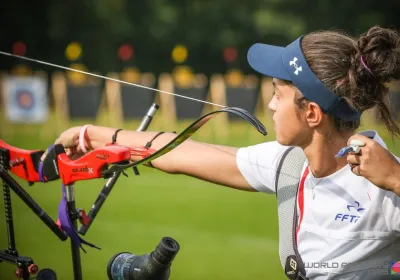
283	85
279	82
286	88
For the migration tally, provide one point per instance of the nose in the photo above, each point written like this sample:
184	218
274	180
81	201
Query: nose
272	104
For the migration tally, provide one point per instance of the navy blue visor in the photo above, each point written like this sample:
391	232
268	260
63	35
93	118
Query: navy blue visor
288	63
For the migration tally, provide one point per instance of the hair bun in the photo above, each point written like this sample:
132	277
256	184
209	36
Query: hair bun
380	50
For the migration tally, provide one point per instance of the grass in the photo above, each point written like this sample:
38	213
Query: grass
223	233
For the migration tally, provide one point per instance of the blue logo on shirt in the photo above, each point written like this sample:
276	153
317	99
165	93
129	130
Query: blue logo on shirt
350	218
358	208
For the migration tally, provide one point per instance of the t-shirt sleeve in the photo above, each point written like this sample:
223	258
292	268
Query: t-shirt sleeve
258	164
391	209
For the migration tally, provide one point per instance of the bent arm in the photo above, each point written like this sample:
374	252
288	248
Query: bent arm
212	163
396	178
391	179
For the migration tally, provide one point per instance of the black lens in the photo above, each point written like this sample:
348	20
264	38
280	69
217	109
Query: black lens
153	266
166	251
46	274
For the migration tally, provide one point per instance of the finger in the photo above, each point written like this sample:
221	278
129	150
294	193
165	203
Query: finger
353	158
357	151
68	151
44	155
357	143
64	142
76	151
359	137
355	168
75	157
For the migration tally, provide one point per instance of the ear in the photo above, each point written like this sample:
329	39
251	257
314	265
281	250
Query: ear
313	114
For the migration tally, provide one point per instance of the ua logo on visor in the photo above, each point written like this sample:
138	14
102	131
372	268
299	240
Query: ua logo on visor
293	63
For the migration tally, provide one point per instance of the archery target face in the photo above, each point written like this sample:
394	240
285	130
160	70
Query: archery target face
25	99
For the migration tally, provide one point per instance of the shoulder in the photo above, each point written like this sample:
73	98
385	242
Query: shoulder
377	138
258	164
271	146
267	152
373	134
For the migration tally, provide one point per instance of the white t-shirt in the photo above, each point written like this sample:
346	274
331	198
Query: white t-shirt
350	229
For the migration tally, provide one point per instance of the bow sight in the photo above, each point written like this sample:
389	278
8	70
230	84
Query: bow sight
107	162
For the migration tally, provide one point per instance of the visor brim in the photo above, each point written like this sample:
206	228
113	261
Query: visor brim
267	60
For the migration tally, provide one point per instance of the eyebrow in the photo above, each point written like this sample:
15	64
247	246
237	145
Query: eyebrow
275	88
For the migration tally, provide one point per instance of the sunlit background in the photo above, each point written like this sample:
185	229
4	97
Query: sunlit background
193	48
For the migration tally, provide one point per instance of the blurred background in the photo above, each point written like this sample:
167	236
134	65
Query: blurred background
193	48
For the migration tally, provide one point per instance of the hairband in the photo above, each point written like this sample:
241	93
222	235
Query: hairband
366	67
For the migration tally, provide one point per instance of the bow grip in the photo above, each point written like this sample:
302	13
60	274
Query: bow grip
92	164
50	166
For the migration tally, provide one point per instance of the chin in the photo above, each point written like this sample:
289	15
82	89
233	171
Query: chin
286	141
283	143
282	140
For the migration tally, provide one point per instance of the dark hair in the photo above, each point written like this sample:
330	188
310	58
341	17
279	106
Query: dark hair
357	69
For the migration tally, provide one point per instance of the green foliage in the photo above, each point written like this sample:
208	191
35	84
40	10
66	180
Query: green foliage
154	27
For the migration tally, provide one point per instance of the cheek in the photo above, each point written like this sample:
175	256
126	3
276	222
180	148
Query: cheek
286	116
288	125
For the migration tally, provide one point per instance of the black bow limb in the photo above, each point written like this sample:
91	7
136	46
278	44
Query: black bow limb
189	131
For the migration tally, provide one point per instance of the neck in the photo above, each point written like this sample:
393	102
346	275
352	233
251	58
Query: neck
321	151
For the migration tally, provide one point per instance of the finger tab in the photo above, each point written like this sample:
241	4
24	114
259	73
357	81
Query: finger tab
357	142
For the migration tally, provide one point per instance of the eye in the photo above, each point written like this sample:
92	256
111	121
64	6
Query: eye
275	93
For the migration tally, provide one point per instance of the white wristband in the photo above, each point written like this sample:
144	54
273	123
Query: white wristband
82	138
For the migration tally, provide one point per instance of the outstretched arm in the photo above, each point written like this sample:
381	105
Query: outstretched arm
212	163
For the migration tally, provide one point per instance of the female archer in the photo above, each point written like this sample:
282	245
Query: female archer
348	207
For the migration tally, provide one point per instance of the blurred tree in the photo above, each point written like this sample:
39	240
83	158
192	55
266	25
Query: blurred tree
154	27
24	21
353	16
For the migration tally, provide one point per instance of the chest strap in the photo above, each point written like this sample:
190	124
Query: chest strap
286	185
